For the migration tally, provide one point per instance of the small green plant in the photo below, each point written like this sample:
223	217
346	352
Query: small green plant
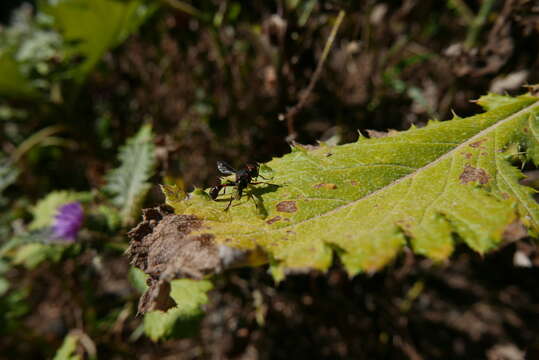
128	184
181	320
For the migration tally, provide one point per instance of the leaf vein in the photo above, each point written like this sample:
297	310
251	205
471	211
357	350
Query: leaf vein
435	162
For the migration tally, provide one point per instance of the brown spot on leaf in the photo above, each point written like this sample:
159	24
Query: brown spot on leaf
273	220
477	143
325	186
373	134
354	183
473	174
515	231
468	155
287	206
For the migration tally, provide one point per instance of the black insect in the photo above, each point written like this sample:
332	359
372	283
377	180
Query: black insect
244	177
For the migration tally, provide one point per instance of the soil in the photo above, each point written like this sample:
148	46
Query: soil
219	95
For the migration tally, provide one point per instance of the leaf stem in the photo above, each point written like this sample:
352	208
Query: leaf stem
186	8
478	22
463	10
35	139
292	112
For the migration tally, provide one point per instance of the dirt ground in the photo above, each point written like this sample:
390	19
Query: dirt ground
221	95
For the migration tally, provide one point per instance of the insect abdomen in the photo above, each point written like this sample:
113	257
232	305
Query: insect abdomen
214	192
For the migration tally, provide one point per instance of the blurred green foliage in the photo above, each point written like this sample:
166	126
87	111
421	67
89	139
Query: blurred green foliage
46	54
68	349
60	42
45	209
128	184
183	319
100	99
94	27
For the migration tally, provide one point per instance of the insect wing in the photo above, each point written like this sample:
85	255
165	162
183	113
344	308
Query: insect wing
225	169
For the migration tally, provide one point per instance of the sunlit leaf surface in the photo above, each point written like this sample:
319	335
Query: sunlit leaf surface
426	187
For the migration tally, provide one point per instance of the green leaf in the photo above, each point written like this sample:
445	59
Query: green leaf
45	210
182	320
13	306
8	175
33	54
96	26
68	349
31	255
13	83
111	216
10	247
492	101
4	286
4	266
138	278
128	184
26	48
427	188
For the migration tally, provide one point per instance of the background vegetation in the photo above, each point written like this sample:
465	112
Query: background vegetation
101	100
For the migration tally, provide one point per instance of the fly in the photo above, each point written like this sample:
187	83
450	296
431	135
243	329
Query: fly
243	178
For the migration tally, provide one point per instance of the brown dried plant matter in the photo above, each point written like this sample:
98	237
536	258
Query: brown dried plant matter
163	247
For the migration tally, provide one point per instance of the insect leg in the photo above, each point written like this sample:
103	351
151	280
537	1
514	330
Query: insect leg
215	190
254	200
229	203
239	191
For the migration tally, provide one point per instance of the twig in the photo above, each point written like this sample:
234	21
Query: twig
463	10
478	22
35	139
86	342
292	112
500	21
186	8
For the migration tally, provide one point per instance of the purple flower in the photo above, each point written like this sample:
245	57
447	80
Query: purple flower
68	221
